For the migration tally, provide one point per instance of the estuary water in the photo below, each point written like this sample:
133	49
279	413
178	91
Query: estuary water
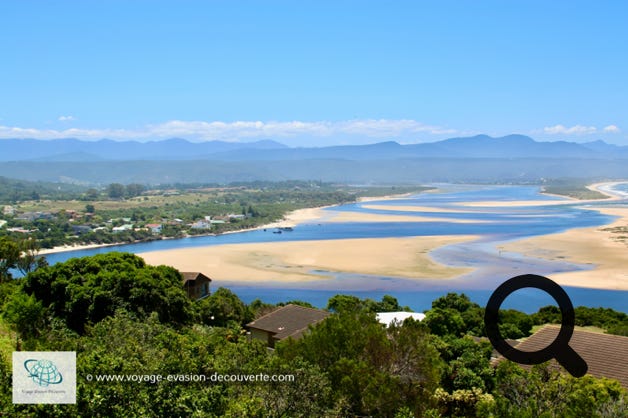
493	225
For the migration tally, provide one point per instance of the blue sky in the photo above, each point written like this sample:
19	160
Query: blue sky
314	72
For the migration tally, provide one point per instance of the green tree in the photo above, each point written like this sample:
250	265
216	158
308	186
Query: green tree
116	190
134	189
373	369
29	259
222	308
89	289
459	302
547	393
9	256
92	194
25	313
445	322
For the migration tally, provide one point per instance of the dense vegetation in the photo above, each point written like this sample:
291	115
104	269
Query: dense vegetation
12	191
126	318
574	188
120	213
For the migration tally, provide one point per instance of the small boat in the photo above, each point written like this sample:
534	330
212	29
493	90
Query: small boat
277	232
286	228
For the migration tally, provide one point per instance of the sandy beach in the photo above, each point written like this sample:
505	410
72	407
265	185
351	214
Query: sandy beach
298	261
65	248
598	247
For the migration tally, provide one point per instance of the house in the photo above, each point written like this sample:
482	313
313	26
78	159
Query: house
33	216
201	225
154	228
8	210
125	227
21	230
289	321
81	229
605	354
2	223
195	284
387	318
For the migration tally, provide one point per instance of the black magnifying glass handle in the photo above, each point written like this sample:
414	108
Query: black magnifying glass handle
572	361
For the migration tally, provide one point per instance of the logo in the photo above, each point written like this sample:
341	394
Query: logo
44	377
43	372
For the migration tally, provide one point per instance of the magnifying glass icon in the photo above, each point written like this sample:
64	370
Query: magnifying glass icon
559	349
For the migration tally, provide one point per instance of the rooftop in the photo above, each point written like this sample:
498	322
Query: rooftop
288	321
605	354
192	276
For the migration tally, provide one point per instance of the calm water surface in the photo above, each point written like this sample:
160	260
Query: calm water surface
493	225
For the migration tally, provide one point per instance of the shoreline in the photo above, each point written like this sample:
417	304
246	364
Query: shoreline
305	215
601	187
307	261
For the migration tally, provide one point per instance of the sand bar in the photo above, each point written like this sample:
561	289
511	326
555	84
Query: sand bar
604	188
597	246
344	217
428	209
296	261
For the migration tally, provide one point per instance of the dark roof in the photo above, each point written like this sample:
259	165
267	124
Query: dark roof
605	354
288	321
193	276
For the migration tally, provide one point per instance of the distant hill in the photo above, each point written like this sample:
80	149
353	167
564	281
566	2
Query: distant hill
480	146
71	149
481	158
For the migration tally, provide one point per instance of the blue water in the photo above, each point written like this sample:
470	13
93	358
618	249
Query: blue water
493	225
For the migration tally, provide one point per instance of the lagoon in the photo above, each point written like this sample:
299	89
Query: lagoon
493	225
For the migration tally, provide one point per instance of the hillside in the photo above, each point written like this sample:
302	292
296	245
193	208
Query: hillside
513	158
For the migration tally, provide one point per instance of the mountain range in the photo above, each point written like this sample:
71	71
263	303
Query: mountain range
512	158
480	146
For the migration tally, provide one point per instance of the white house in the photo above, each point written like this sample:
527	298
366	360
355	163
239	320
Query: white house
387	318
125	227
201	225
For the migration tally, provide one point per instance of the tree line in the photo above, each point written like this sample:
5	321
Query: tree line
123	316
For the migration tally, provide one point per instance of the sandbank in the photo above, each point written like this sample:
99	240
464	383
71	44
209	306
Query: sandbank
342	216
604	188
299	261
403	208
599	247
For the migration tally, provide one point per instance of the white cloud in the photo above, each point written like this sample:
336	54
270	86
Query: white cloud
574	130
243	130
612	129
67	118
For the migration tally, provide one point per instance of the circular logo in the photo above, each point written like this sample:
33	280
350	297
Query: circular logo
43	372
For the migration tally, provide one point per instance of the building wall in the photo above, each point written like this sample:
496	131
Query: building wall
264	336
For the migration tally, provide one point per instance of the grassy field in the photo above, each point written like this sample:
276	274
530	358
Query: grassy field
136	202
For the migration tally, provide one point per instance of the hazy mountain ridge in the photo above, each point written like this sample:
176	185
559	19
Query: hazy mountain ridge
480	146
71	149
513	158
